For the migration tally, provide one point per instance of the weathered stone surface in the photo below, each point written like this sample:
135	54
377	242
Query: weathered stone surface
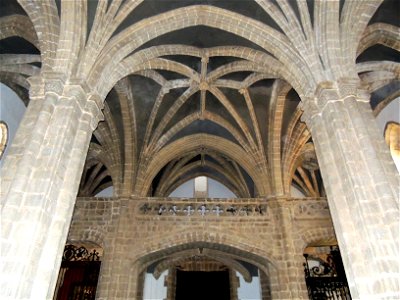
281	89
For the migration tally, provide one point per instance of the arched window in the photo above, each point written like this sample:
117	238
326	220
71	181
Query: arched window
392	138
12	109
202	187
3	137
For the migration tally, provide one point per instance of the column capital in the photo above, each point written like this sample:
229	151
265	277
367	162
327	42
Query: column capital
332	91
68	89
46	82
339	90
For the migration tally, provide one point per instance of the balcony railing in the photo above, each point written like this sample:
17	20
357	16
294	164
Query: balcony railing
203	207
326	280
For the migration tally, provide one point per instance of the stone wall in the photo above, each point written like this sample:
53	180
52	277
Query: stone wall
136	232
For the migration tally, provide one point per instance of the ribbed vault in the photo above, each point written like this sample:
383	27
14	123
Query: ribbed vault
213	88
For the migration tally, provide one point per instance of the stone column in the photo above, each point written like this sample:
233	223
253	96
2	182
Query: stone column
121	275
171	284
292	282
105	282
135	280
120	279
265	286
234	284
40	180
362	188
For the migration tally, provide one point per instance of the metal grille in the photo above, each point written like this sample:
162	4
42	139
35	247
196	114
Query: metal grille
78	275
327	280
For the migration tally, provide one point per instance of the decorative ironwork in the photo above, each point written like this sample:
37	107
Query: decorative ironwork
327	280
83	292
74	253
78	275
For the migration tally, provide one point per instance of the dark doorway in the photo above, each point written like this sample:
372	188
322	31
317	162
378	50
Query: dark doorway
79	273
80	280
202	285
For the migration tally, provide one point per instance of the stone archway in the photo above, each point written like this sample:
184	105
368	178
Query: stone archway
210	256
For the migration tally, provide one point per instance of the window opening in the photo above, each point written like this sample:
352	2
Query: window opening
392	138
3	137
201	187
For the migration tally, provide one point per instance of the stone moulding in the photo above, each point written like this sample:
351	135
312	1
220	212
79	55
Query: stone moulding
311	209
203	207
260	208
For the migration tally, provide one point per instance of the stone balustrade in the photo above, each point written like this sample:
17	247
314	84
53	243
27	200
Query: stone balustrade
207	207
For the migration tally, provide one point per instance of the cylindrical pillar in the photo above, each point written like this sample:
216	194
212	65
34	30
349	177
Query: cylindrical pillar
362	188
40	183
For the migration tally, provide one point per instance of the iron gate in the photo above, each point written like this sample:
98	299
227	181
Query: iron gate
78	275
327	280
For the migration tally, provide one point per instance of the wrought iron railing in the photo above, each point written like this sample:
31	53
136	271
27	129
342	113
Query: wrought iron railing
327	280
83	292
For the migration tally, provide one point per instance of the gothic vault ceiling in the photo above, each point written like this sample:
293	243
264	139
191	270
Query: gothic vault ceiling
211	94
